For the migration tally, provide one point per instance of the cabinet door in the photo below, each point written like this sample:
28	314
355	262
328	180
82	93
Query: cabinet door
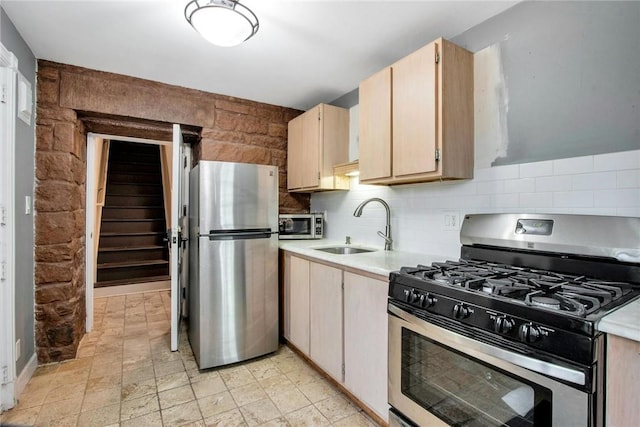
365	340
375	126
415	109
294	154
299	303
623	381
326	318
311	148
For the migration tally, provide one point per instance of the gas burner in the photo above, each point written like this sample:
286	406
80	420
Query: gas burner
449	277
505	287
556	302
546	302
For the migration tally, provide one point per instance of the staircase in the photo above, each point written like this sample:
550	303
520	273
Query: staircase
131	247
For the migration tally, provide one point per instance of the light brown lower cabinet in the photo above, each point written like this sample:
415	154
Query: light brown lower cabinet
365	340
338	319
623	382
297	301
325	318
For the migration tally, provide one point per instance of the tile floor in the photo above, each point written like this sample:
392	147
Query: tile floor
126	375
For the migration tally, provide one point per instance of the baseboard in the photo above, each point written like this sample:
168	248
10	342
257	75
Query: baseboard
25	375
135	288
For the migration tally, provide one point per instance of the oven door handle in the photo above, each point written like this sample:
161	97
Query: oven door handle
478	349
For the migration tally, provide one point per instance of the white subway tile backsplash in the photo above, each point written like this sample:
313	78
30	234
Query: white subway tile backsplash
593	181
573	165
498	172
490	187
593	211
536	200
553	210
521	185
506	200
573	199
458	188
628	211
553	183
628	179
617	161
607	184
536	169
623	198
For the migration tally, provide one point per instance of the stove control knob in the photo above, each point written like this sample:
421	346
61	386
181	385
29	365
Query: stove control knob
503	324
529	333
408	295
427	300
460	311
415	297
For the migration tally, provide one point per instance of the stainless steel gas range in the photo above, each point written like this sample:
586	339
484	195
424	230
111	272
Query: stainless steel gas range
506	335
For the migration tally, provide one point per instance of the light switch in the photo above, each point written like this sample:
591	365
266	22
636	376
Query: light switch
25	99
27	205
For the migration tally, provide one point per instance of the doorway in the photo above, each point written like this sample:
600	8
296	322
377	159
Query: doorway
131	219
128	214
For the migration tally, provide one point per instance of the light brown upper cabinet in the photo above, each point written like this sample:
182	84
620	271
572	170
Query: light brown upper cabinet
318	140
416	118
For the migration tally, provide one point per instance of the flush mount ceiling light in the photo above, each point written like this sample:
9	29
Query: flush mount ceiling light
222	22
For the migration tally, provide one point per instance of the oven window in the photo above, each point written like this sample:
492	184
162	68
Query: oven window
464	391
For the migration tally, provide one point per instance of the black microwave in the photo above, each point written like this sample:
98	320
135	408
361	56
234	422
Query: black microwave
301	226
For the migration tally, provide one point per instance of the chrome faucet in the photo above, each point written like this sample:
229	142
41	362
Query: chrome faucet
387	232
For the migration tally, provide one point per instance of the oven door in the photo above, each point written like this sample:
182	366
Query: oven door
439	377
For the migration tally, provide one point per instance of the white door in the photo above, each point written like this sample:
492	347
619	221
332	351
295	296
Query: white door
175	238
8	67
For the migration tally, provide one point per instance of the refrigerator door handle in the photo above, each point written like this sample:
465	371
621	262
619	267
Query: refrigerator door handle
251	233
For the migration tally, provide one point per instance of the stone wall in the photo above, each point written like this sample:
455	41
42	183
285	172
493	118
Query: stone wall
59	222
232	130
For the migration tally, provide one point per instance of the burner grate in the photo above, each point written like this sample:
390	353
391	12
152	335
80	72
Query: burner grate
547	290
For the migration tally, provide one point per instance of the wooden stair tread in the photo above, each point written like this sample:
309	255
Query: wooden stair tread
131	207
105	283
132	219
140	263
146	184
134	195
131	248
143	233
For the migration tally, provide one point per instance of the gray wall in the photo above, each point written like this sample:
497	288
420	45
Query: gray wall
570	79
571	74
24	183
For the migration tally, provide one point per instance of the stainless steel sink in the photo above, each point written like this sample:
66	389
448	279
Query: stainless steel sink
344	250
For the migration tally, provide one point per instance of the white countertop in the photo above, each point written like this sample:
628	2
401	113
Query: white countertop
380	262
623	322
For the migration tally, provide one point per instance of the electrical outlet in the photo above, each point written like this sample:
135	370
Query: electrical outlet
18	349
451	220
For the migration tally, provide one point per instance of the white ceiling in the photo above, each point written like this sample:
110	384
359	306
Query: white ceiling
305	52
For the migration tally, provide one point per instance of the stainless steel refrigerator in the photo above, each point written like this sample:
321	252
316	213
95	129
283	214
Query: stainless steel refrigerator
233	262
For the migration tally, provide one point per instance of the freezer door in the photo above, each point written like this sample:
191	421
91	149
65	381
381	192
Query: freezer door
237	196
238	300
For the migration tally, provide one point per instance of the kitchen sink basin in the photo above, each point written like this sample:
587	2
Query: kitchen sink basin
344	250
